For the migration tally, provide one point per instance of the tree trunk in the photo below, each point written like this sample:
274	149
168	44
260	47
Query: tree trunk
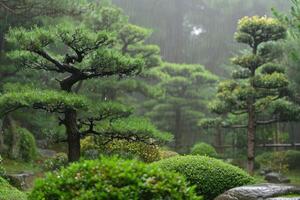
10	128
177	129
219	141
73	135
1	43
251	139
2	146
70	122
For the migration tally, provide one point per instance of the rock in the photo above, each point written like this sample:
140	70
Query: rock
285	198
265	171
47	153
276	178
258	192
21	181
42	144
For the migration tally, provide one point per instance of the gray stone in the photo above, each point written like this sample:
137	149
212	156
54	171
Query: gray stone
274	177
285	198
21	181
47	153
258	192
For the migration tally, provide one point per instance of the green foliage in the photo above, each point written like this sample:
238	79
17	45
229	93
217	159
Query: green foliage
123	148
255	30
28	149
280	161
211	177
7	192
2	170
186	89
58	161
292	158
48	100
112	178
164	154
203	149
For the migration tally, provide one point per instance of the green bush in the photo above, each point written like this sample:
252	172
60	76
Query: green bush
112	178
28	149
58	161
7	192
292	159
163	154
280	161
2	170
275	161
203	149
211	176
129	150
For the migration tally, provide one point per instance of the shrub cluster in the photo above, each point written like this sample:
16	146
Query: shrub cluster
163	154
113	178
27	146
7	192
2	170
123	148
212	177
58	161
203	149
280	161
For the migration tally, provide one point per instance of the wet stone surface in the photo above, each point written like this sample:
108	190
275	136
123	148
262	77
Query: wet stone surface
260	192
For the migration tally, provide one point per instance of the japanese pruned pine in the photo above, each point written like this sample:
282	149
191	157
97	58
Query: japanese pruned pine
258	92
185	90
75	53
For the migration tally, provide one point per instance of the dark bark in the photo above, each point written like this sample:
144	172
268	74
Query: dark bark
177	130
1	43
251	139
70	122
73	135
219	141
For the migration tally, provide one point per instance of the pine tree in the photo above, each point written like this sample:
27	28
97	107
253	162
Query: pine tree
186	90
259	93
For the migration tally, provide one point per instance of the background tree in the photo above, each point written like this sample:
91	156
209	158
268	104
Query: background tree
186	89
259	92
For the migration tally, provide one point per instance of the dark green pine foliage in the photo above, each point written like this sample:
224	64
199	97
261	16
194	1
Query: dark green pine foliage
259	93
186	90
131	41
75	53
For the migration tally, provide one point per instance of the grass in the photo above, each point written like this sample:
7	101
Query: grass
13	166
293	175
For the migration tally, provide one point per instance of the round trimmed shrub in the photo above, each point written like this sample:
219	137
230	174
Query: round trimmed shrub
212	177
112	178
203	149
8	192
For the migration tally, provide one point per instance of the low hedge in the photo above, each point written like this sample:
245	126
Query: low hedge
8	192
112	178
212	177
203	149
